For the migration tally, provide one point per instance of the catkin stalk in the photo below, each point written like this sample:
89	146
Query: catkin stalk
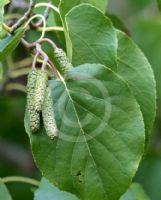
34	116
48	115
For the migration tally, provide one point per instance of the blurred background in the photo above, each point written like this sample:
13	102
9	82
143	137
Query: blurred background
141	20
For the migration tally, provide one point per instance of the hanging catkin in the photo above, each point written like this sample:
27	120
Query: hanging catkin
62	60
48	115
34	116
40	89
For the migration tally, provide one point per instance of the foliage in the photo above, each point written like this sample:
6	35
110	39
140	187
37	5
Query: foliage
95	115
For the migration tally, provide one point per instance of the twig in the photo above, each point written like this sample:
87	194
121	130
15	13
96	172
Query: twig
25	17
40	22
46	58
52	28
47	5
44	24
35	61
20	179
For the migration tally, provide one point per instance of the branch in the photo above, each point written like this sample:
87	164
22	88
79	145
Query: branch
25	17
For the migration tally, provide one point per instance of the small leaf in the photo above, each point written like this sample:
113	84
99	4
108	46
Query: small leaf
100	135
135	192
4	194
93	37
48	191
8	44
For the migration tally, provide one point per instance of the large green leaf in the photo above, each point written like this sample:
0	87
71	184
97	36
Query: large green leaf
8	44
135	192
47	191
95	41
101	135
135	68
66	5
4	194
93	37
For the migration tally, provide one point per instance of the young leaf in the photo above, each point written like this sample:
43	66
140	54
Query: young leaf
48	191
95	41
93	37
135	192
8	44
4	194
101	135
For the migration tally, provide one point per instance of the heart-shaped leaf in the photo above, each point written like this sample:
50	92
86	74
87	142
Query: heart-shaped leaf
101	135
93	37
47	191
135	192
4	194
94	40
8	44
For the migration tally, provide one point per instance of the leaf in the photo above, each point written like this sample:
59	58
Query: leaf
8	44
4	2
93	37
4	194
118	23
47	191
136	70
159	4
150	30
101	135
66	5
149	174
87	34
135	192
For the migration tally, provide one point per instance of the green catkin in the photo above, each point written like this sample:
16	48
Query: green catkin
40	89
62	60
34	117
48	115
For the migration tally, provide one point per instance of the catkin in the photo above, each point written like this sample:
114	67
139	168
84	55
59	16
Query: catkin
48	115
62	60
34	117
40	89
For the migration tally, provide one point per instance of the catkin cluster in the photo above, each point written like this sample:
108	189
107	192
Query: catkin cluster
39	102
